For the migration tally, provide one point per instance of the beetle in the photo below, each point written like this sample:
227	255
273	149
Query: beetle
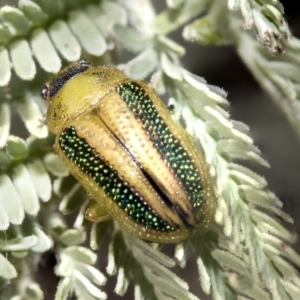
139	166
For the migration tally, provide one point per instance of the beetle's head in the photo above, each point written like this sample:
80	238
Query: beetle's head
76	89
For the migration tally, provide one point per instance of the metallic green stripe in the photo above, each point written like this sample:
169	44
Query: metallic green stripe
139	102
92	163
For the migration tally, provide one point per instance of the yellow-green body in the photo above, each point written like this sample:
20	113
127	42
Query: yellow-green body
87	108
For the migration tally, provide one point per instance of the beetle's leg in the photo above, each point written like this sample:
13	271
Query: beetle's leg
95	213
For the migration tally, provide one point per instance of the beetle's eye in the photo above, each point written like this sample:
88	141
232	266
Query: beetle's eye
45	91
171	107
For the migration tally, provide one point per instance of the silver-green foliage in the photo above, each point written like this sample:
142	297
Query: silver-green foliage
247	254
